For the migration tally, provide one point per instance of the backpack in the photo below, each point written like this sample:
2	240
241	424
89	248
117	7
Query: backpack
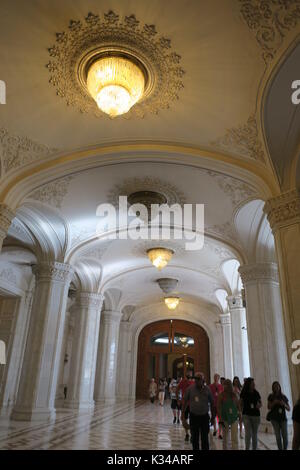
229	410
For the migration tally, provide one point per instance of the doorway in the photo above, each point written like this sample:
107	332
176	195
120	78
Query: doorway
170	348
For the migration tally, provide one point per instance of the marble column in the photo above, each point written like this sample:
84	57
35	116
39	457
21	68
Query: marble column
36	394
8	392
105	389
284	217
240	351
6	216
267	347
123	383
87	312
227	345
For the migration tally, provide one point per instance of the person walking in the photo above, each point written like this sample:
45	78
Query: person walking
278	404
152	390
200	399
250	405
228	407
161	391
296	426
216	389
174	404
183	385
237	388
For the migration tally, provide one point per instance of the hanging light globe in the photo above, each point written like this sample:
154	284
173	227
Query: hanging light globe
160	257
116	84
172	302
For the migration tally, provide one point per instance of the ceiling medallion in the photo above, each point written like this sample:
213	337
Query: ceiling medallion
153	74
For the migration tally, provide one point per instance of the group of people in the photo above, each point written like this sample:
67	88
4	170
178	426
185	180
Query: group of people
230	407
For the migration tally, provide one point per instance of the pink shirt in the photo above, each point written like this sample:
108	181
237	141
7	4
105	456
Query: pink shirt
216	389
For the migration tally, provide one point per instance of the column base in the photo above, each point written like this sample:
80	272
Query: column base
33	415
79	406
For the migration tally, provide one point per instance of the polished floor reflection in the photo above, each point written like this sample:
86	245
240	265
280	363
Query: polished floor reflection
133	425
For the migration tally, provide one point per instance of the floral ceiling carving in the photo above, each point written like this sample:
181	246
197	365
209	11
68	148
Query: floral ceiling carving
16	151
227	229
111	30
242	140
270	21
172	194
237	191
53	193
97	252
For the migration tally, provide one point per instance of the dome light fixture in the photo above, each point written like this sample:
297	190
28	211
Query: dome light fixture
160	257
172	302
116	83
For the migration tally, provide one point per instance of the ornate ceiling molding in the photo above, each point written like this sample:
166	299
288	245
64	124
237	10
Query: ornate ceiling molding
130	185
227	229
93	33
238	191
243	141
16	151
270	21
97	252
52	193
6	217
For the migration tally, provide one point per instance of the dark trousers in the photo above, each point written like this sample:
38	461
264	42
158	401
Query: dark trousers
199	424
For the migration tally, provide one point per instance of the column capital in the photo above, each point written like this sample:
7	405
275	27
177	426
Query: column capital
235	302
225	319
112	316
259	272
283	210
53	271
89	300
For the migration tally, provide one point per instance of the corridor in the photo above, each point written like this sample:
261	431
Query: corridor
126	425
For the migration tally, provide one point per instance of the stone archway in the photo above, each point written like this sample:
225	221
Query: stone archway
152	358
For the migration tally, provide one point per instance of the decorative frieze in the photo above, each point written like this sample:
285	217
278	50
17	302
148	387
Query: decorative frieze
53	271
283	210
259	272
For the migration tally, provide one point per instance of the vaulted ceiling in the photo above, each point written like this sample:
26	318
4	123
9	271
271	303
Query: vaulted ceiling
229	141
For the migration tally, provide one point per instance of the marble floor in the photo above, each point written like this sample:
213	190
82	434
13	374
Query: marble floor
122	426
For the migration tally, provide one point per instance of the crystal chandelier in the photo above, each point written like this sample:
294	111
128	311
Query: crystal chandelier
184	341
160	257
116	84
172	302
